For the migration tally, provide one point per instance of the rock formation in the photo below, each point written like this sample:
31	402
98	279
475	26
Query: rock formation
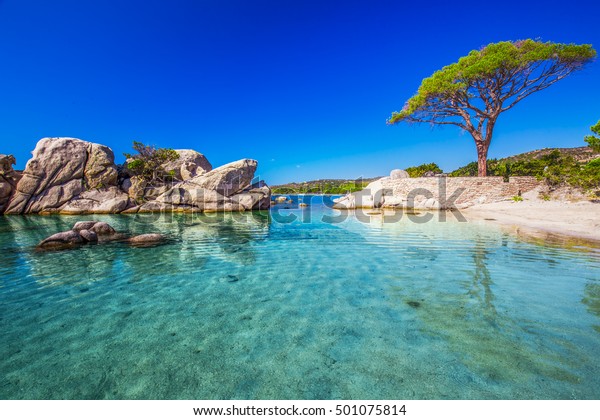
226	188
60	172
188	165
8	179
72	176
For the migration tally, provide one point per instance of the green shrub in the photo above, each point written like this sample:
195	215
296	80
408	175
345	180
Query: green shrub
594	141
147	162
418	171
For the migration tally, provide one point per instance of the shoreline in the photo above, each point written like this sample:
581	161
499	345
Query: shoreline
553	220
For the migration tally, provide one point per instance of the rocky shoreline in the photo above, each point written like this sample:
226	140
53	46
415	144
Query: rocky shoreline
72	176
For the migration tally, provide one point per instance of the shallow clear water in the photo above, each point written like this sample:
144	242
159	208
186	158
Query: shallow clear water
248	307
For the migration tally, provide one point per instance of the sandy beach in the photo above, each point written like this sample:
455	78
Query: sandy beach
571	219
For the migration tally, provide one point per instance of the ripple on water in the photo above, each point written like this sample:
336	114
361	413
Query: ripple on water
246	307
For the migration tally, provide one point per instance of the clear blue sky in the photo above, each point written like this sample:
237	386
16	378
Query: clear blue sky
304	87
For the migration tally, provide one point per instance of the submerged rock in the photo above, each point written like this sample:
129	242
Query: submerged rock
147	238
70	237
93	232
103	229
87	225
89	235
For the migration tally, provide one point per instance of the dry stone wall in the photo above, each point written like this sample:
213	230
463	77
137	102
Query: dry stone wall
462	190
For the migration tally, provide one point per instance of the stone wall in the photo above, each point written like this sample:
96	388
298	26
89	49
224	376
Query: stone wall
437	192
465	190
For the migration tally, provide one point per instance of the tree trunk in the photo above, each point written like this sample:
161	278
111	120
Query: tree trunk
482	150
481	163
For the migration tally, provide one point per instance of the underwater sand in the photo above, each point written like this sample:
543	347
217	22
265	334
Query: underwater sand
247	307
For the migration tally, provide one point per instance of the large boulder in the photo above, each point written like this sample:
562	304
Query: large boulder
107	200
185	198
227	180
199	198
372	196
61	169
399	174
226	188
254	198
147	239
8	179
100	170
189	165
70	237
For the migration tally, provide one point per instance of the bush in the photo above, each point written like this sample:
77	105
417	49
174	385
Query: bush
148	160
594	141
418	171
470	169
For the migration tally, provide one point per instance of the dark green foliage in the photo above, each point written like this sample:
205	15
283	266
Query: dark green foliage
594	141
473	92
503	64
470	169
418	171
555	167
588	176
147	162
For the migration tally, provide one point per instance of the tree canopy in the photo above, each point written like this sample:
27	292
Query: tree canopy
474	91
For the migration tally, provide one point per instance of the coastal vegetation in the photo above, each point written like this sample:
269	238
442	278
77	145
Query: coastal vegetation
148	162
594	141
577	167
323	186
424	169
473	92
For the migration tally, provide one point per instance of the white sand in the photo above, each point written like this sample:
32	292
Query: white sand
575	219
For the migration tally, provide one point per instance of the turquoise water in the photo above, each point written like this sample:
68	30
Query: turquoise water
247	307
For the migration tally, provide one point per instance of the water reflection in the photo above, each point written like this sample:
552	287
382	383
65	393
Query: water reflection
481	286
486	340
193	240
591	298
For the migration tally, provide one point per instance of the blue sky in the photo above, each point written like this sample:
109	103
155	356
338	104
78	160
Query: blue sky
304	87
